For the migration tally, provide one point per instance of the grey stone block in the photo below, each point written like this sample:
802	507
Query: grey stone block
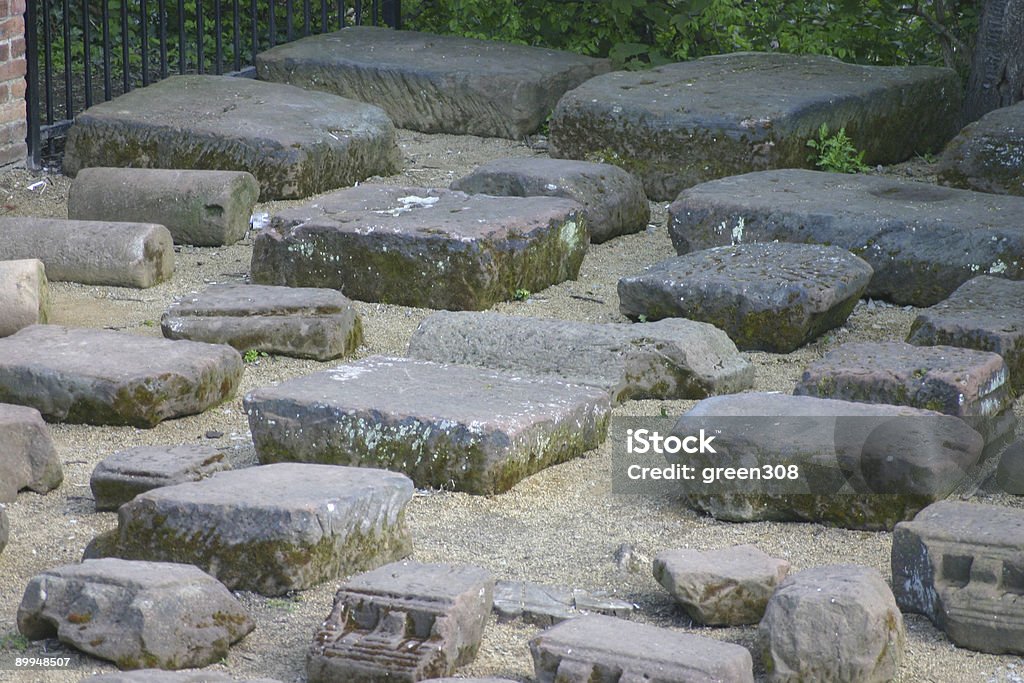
1010	471
161	676
27	458
24	295
988	155
549	605
120	477
5	528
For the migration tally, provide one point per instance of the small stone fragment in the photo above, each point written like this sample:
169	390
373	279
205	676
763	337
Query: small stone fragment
549	605
24	295
120	477
27	456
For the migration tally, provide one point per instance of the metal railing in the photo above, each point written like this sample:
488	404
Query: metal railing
80	52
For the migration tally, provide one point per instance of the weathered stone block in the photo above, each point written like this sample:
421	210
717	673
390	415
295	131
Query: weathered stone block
420	247
24	295
549	605
27	456
5	528
988	155
120	477
1010	471
161	676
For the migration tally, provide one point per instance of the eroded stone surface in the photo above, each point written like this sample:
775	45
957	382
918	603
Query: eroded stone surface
434	83
681	124
771	297
923	241
135	614
472	429
304	322
24	295
161	676
295	142
27	456
5	528
1010	471
405	621
549	605
268	529
664	360
103	377
988	155
423	247
120	477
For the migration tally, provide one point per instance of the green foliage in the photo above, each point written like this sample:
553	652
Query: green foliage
836	152
13	641
521	294
253	356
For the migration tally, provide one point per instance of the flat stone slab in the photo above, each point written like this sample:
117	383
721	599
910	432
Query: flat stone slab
770	297
434	83
295	142
28	458
120	477
580	651
467	428
988	154
723	587
204	208
303	322
5	528
833	623
422	247
613	199
543	605
24	295
959	564
135	614
1010	471
985	313
668	359
269	529
405	621
847	454
681	124
91	252
922	240
103	377
161	676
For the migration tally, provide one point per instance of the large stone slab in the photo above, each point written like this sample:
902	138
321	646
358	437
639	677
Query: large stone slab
861	466
268	529
27	457
433	83
91	252
24	295
988	155
120	477
405	621
472	429
549	605
682	124
613	200
161	676
923	241
304	322
985	313
415	246
204	208
295	142
584	649
770	297
960	565
834	623
135	614
103	377
663	360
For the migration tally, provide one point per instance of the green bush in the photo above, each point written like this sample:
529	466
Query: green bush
836	153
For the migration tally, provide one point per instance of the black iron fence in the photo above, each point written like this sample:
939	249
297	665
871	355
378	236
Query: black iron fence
80	52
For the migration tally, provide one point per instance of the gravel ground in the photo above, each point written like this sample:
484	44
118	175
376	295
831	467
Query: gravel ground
561	526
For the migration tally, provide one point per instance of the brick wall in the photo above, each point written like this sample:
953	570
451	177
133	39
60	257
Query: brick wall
12	82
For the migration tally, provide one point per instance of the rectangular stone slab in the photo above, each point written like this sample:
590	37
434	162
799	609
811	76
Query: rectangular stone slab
415	246
922	240
476	430
102	377
434	83
24	295
296	142
91	252
681	124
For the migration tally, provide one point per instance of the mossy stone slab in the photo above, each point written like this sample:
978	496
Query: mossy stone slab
988	154
295	142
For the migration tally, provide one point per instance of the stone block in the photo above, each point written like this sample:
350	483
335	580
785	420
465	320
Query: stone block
24	295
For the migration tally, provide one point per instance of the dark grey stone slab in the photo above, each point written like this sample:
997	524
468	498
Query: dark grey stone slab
24	295
204	208
405	621
581	650
135	614
960	565
770	297
304	322
269	529
103	377
613	200
91	252
667	359
415	246
473	429
295	142
549	605
1010	471
120	477
922	240
985	313
833	623
161	676
988	155
433	83
682	124
27	456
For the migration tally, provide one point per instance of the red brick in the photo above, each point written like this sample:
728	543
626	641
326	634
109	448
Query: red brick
12	27
5	51
12	69
17	6
18	87
5	8
13	113
17	47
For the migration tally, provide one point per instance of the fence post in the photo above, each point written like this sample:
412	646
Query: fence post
13	123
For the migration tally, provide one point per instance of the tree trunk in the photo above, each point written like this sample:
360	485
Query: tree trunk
997	68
